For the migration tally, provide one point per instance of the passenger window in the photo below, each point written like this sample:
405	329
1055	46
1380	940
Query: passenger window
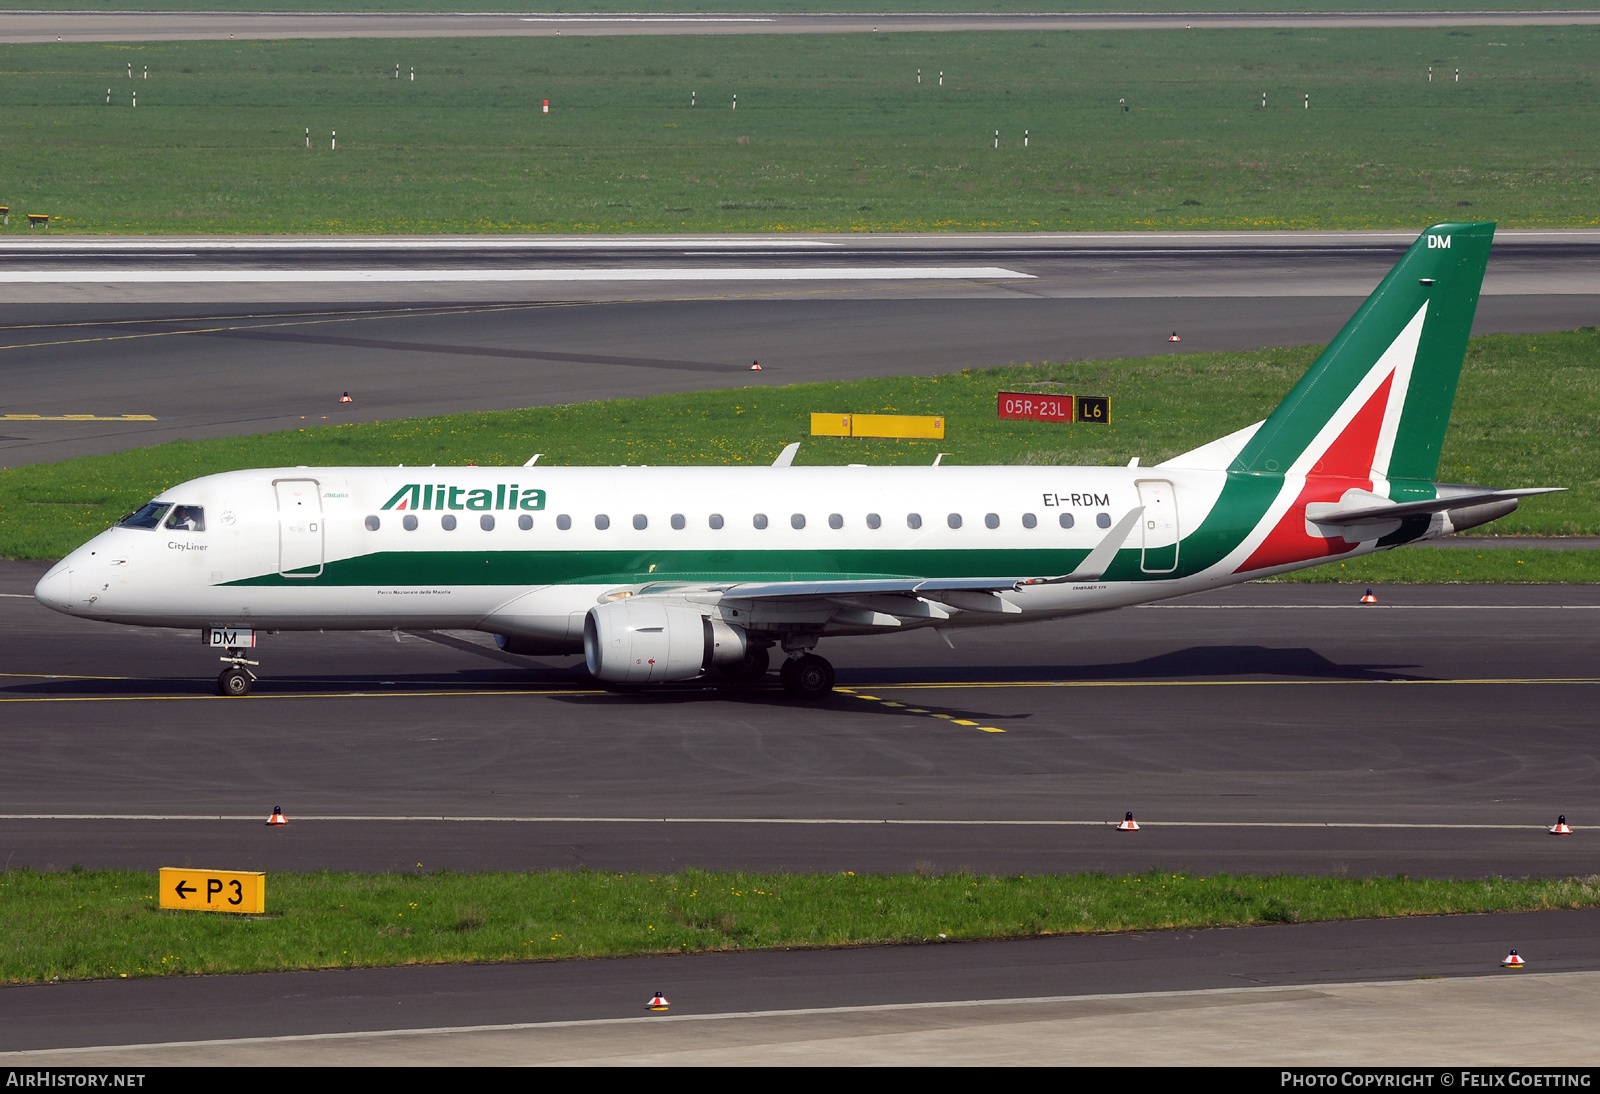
640	522
486	522
835	520
797	521
991	520
760	520
373	524
148	517
602	522
1030	521
563	522
525	522
953	520
1066	520
677	522
1103	520
716	520
409	522
913	520
448	523
874	520
187	518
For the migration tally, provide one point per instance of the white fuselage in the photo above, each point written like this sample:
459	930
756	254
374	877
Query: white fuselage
532	549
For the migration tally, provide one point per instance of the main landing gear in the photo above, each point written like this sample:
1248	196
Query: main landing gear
807	676
236	679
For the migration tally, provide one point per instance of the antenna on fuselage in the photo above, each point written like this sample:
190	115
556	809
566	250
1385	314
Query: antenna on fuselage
533	461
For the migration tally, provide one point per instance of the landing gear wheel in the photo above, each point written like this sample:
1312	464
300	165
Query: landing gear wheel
807	677
753	667
235	681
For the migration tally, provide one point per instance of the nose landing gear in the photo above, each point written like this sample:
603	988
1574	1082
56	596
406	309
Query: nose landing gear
236	679
807	676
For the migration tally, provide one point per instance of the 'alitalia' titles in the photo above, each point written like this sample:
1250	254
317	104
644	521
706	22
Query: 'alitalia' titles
427	495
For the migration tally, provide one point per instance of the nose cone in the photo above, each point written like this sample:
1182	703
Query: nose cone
55	588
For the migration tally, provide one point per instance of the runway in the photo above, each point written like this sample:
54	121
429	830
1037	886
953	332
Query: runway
1263	728
85	26
203	358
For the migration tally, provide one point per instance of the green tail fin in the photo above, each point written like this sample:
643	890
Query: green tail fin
1376	403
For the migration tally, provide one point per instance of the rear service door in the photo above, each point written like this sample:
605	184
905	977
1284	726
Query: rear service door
1160	527
299	527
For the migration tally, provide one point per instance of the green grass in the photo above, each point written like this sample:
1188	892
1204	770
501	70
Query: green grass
832	132
1506	430
1460	565
1524	416
89	925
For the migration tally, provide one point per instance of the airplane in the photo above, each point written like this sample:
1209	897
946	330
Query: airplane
661	574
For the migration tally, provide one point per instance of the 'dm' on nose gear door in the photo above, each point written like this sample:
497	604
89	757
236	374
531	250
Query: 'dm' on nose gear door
1160	526
299	527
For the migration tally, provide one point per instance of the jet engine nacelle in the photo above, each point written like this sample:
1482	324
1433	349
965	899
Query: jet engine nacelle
648	642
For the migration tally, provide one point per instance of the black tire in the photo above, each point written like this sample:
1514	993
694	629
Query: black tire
808	677
234	682
757	659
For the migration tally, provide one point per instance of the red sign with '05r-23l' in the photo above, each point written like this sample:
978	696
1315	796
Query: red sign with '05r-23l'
1035	407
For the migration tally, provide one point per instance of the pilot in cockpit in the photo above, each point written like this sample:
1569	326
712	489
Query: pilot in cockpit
187	518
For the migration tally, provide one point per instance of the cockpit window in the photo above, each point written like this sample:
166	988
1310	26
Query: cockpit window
148	517
191	518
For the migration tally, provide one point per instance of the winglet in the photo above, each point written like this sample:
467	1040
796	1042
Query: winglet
1099	559
786	457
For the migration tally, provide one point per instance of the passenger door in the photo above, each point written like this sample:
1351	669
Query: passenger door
1160	526
299	527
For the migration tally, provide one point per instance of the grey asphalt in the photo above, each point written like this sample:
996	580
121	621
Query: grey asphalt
288	1004
210	361
87	26
1263	728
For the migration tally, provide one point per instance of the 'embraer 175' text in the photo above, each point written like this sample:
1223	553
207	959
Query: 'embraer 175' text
443	496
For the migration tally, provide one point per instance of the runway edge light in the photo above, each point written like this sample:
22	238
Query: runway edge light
277	820
659	1001
1512	961
1128	824
1561	827
1369	598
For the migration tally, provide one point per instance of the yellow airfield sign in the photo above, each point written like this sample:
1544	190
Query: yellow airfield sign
213	890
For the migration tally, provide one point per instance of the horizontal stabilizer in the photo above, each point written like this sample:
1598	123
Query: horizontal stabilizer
1339	513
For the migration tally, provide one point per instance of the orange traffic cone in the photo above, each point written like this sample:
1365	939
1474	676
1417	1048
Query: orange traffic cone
755	366
277	819
1174	337
1562	828
345	398
1369	598
1512	961
658	1002
1128	824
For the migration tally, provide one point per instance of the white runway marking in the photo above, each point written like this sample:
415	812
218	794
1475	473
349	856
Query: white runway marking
645	19
775	820
112	275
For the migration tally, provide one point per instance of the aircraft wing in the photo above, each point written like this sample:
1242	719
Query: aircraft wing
1090	569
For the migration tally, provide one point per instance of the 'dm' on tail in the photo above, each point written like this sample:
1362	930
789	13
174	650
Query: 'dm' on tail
1348	458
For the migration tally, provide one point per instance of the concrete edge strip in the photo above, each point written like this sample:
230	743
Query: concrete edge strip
401	819
121	276
799	1012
